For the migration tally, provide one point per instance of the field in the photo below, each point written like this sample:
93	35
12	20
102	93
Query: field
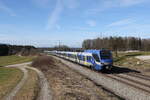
9	77
9	60
129	60
65	83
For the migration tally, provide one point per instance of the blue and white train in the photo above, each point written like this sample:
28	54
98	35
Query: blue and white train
95	59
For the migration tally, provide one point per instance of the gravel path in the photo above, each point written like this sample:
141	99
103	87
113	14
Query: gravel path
121	89
19	85
143	57
44	94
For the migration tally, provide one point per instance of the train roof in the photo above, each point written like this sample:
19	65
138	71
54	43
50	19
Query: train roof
79	53
95	51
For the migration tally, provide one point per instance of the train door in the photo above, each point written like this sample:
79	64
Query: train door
85	60
79	58
89	60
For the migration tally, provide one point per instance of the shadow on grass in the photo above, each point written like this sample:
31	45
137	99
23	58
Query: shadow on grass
132	55
126	56
119	58
119	70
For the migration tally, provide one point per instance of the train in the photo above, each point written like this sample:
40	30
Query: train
95	59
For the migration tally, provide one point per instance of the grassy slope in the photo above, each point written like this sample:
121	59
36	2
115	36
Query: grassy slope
8	60
9	77
129	60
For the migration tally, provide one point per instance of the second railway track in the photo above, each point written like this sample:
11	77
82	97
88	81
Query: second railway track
139	75
138	84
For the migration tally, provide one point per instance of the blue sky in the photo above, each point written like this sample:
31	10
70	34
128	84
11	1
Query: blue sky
46	22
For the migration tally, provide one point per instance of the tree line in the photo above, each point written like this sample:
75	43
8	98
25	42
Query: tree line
6	49
117	43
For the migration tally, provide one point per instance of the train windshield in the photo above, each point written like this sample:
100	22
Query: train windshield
106	54
96	57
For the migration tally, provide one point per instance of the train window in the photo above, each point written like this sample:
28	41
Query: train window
89	58
69	55
96	57
105	54
72	56
83	58
75	56
79	57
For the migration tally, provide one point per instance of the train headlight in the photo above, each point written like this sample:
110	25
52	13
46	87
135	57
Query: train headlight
105	63
107	67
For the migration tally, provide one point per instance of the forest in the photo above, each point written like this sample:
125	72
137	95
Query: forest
6	49
117	43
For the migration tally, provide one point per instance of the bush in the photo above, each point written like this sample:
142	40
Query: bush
43	62
4	50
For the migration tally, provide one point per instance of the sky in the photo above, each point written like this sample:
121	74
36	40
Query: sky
46	23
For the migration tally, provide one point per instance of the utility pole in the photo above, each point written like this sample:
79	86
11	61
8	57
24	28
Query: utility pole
59	44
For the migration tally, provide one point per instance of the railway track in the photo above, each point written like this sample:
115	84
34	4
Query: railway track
138	84
130	86
145	77
135	80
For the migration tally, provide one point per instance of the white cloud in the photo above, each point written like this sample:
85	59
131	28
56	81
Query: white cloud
41	3
107	4
55	15
130	27
91	23
58	27
46	3
131	2
71	3
136	28
6	9
121	22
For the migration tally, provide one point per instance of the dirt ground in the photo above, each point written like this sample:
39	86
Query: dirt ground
147	57
67	84
30	89
137	64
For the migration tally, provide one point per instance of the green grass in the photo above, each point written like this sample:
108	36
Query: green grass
8	60
9	77
129	60
123	56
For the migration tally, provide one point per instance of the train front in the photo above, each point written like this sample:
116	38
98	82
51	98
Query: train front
106	59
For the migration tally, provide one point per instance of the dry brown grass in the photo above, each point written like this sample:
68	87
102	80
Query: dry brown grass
43	62
130	61
30	89
66	84
9	78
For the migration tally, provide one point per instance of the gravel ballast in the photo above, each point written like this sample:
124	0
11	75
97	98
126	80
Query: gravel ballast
118	88
68	84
